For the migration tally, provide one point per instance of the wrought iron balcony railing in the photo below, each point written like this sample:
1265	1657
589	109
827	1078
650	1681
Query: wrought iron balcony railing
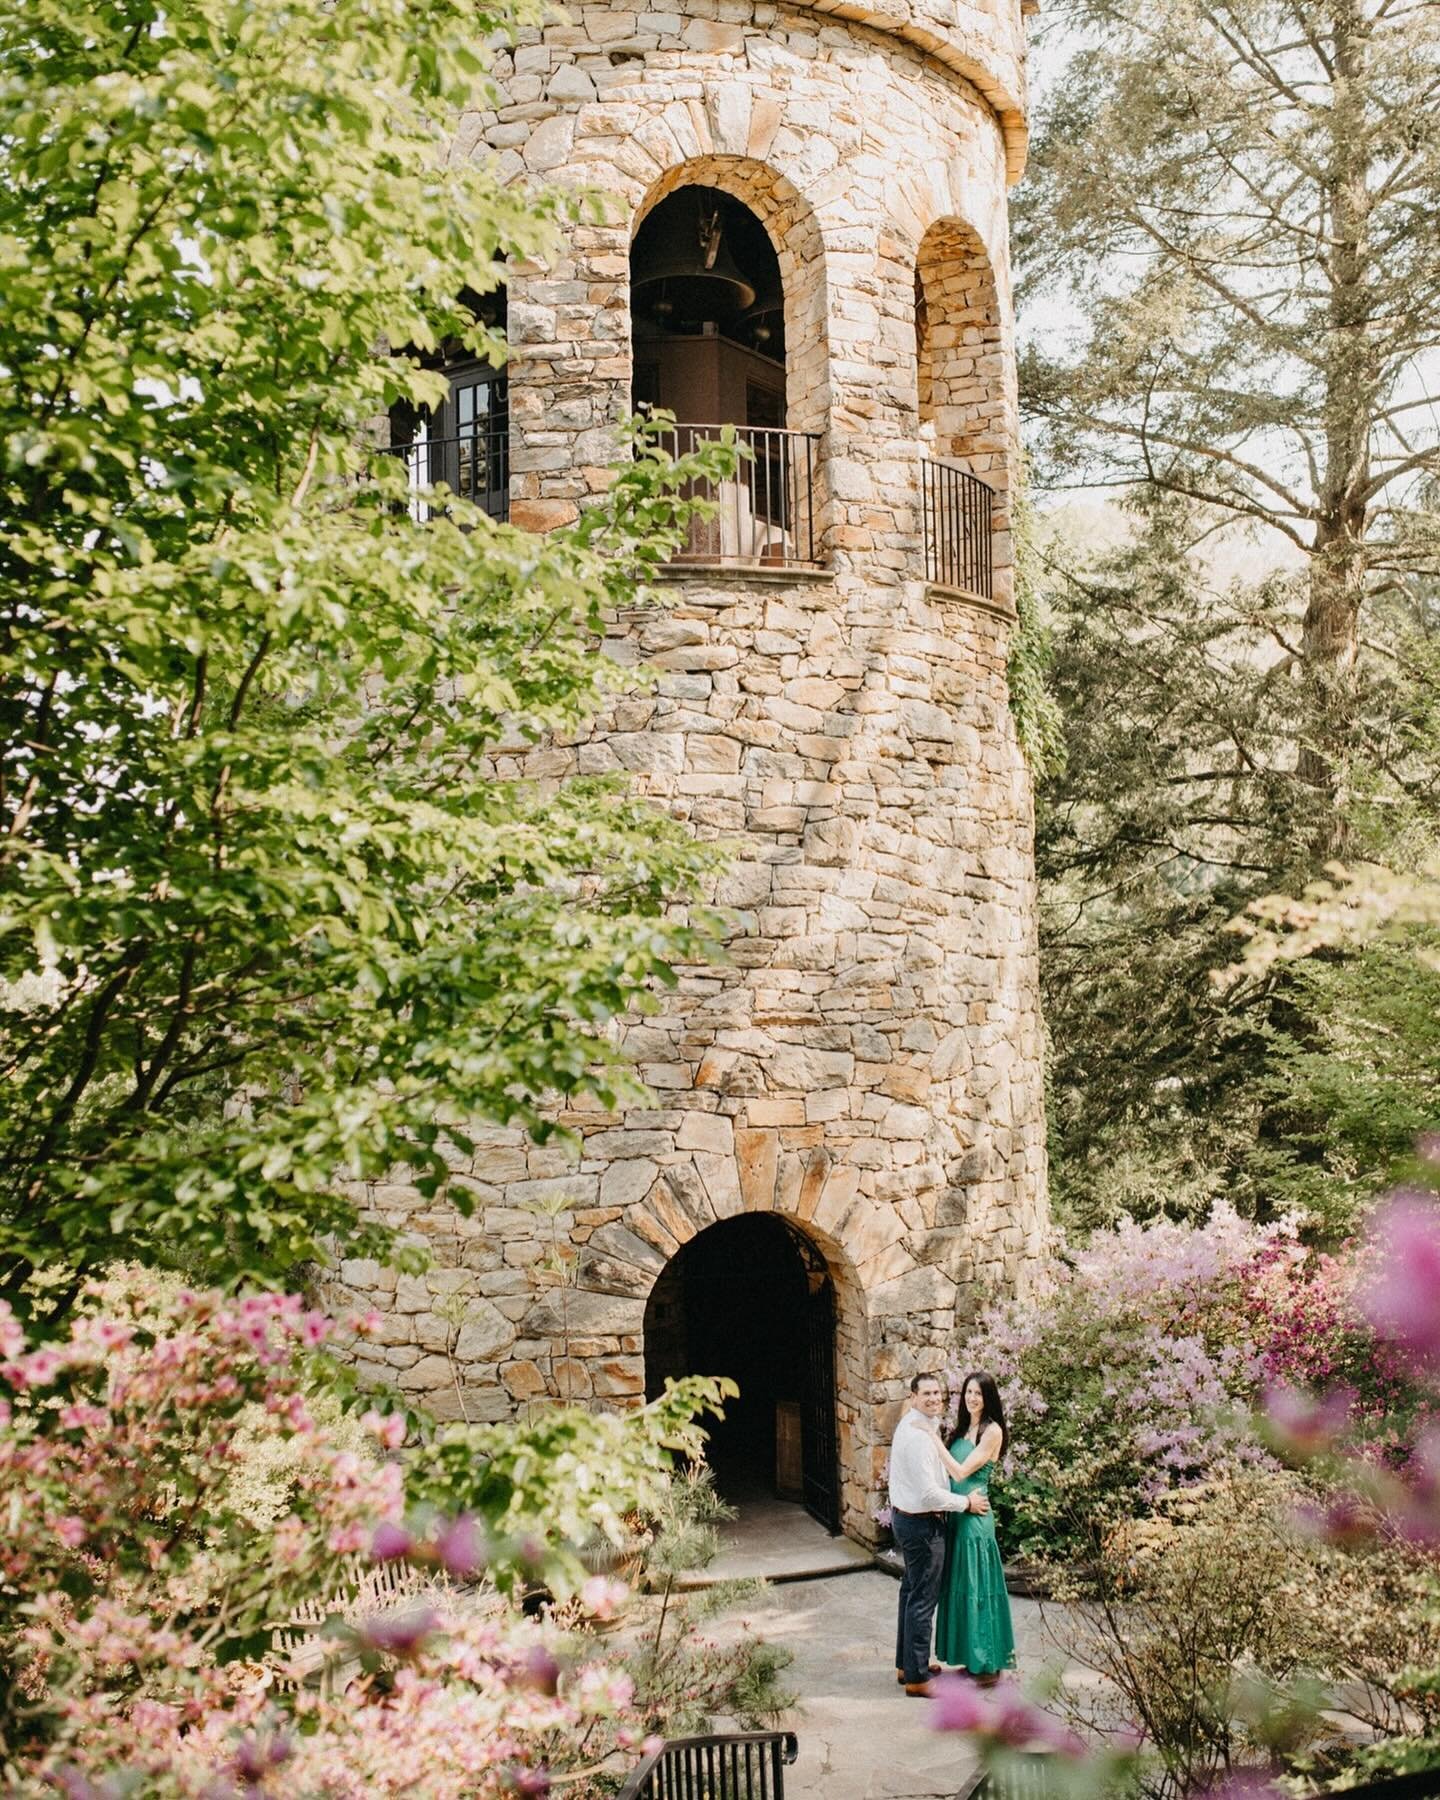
959	520
476	467
765	514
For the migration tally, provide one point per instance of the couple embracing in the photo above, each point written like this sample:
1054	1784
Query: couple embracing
940	1515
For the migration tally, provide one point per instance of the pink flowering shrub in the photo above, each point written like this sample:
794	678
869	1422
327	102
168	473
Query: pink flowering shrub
143	1612
1239	1618
1129	1375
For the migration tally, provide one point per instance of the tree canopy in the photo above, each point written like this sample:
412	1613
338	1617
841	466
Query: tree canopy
264	929
1238	196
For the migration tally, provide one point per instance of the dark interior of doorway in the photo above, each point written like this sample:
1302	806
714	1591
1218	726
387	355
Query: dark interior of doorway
750	1298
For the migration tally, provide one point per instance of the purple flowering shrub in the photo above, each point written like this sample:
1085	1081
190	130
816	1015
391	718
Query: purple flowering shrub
1232	1620
1129	1373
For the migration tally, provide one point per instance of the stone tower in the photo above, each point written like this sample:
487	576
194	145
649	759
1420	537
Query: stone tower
842	1147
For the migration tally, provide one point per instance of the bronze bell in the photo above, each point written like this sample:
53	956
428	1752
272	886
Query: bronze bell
683	270
763	321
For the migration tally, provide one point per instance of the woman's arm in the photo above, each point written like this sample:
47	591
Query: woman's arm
984	1452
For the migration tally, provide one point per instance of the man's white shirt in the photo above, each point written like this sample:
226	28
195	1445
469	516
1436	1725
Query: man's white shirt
918	1482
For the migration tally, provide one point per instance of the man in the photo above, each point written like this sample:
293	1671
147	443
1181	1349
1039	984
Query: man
920	1497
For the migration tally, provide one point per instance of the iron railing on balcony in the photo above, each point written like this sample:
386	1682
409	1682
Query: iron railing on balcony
738	1765
959	520
475	466
765	513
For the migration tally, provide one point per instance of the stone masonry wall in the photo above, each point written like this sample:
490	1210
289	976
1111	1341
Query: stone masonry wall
869	1060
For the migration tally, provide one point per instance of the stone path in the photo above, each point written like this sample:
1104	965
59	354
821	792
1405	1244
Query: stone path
779	1541
861	1737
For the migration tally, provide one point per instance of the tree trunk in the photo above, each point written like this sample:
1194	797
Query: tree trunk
1330	639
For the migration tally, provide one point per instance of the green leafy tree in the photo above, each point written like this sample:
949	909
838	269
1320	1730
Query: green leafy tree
269	919
1237	197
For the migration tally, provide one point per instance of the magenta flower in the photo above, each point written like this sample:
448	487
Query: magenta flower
1401	1297
959	1705
255	1757
390	1541
1002	1715
389	1428
459	1547
401	1634
539	1670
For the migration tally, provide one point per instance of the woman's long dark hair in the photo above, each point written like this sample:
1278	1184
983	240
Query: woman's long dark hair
994	1408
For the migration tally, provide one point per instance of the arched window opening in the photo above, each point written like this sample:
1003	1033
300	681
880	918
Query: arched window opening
708	312
962	407
464	442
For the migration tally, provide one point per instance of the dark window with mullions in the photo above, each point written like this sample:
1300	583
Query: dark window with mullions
466	442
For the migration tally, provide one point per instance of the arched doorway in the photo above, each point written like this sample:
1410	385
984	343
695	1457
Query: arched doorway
752	1298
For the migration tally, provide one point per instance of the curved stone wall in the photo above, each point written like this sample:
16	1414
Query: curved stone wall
869	1062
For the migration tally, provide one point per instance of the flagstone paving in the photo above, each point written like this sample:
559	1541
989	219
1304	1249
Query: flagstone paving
861	1737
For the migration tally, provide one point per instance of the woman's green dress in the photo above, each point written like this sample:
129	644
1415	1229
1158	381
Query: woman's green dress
972	1625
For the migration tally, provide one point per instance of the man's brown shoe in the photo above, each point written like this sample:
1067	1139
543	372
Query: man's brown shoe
920	1690
935	1669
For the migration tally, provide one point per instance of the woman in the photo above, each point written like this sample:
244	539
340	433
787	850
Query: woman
972	1627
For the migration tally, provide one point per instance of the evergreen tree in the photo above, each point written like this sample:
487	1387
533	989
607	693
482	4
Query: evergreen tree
1235	200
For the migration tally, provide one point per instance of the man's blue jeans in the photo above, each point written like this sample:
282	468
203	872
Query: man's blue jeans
920	1538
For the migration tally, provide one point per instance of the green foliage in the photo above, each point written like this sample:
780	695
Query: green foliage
1357	1089
564	1475
1227	198
1039	723
1223	200
1221	1634
1178	806
1195	1622
687	1675
272	916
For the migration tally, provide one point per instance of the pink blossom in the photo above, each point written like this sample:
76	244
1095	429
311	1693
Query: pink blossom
459	1548
389	1428
604	1690
603	1596
38	1369
1401	1295
79	1416
71	1531
390	1542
